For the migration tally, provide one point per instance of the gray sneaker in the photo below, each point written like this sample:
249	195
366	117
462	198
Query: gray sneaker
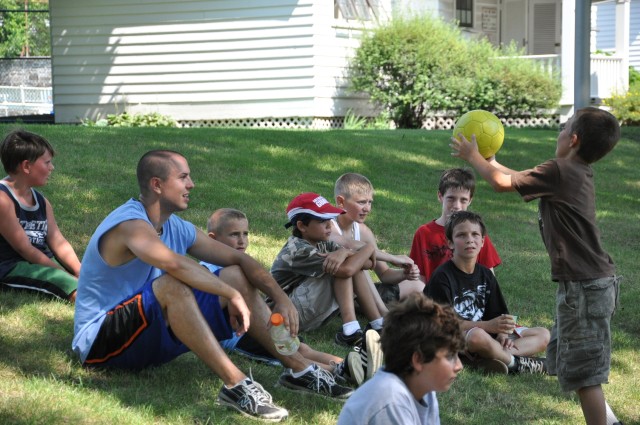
350	369
315	381
371	355
249	398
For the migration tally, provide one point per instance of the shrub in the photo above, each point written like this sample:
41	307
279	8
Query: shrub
626	107
151	119
413	67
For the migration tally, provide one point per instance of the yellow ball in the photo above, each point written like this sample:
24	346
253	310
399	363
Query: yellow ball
487	128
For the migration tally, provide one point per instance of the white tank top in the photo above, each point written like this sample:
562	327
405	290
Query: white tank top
355	229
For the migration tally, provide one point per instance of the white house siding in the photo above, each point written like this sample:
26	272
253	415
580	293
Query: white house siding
604	19
199	60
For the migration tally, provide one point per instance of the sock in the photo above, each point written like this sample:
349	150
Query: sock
302	372
512	363
611	417
377	324
247	380
350	328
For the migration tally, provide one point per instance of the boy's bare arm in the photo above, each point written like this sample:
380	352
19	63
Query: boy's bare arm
498	177
362	259
60	246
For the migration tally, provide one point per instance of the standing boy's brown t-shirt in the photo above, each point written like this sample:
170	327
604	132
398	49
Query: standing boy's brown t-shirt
567	218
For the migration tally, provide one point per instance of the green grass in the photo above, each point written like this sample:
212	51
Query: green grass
259	171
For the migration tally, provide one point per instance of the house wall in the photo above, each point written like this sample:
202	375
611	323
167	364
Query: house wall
201	60
604	19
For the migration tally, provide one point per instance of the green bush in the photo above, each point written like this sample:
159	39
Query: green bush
413	67
626	107
151	119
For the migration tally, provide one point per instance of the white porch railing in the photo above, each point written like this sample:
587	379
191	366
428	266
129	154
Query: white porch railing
25	100
607	74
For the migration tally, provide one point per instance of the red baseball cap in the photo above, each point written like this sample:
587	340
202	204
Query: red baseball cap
313	204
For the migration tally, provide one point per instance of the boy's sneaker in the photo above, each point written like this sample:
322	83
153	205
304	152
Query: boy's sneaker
371	355
352	340
489	366
249	398
529	365
315	381
350	369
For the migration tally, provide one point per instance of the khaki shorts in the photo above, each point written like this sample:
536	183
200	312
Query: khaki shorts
315	302
580	348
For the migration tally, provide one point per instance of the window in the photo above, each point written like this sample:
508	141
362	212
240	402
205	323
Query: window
364	10
464	13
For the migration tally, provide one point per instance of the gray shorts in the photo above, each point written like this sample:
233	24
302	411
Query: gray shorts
580	348
315	302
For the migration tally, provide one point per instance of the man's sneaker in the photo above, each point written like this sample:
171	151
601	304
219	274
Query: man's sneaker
249	398
529	365
371	355
352	340
351	369
315	381
489	366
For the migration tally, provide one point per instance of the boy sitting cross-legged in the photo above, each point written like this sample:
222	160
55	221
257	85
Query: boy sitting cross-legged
313	270
494	341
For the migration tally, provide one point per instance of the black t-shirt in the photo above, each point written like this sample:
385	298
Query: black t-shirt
475	297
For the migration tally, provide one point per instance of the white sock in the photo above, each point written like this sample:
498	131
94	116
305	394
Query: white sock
350	328
302	372
611	417
512	363
377	324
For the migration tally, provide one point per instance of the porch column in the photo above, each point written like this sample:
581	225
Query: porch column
567	54
623	12
582	95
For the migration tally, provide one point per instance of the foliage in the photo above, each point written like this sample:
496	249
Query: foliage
356	122
626	107
413	67
634	77
150	119
20	29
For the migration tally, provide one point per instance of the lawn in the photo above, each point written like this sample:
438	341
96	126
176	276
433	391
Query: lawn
259	171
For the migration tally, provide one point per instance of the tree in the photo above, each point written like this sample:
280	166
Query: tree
24	28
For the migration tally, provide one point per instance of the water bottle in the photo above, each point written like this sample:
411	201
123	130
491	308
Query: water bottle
285	344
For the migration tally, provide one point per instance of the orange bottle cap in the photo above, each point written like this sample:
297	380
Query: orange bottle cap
277	319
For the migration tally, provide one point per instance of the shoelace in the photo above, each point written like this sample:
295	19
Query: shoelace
531	364
321	374
257	391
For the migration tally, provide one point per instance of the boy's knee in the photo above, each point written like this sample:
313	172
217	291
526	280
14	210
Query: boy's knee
235	277
477	339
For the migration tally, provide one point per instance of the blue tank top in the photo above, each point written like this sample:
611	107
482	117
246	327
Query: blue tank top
101	286
34	222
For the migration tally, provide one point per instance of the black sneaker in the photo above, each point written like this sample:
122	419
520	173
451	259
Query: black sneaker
315	381
351	369
529	365
371	355
352	340
249	398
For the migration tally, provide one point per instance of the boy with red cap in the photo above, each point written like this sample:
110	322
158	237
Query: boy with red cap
318	283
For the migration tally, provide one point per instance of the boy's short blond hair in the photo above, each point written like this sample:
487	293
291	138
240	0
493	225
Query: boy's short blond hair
350	184
221	217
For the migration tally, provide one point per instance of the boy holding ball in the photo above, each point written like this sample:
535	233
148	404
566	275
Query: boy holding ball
587	296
